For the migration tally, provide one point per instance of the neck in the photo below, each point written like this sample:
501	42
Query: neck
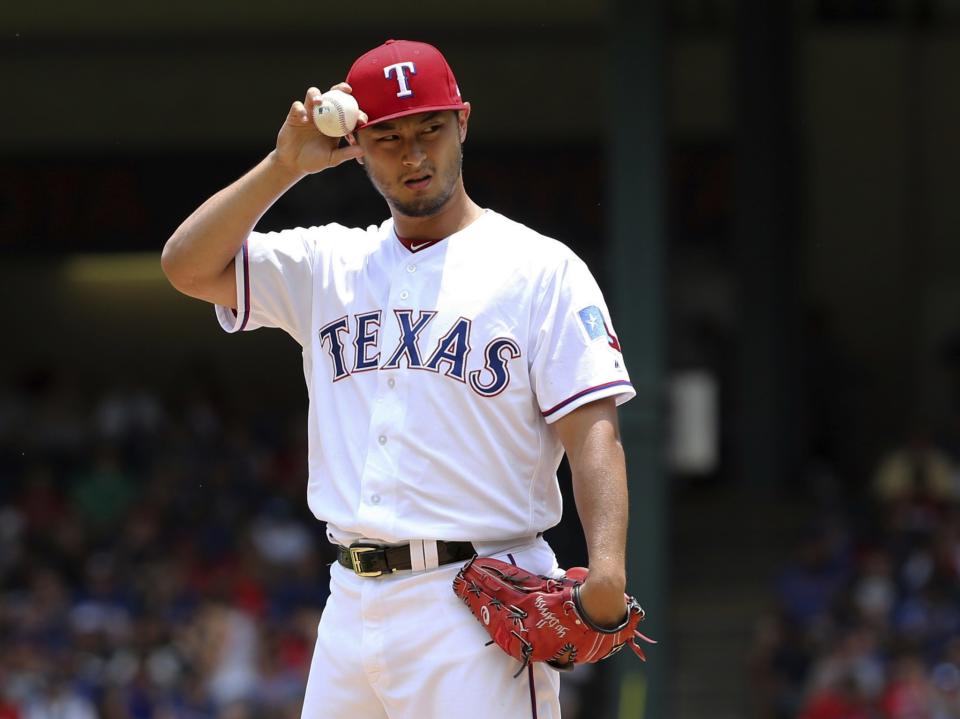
458	212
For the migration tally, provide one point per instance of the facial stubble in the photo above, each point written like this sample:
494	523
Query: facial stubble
428	205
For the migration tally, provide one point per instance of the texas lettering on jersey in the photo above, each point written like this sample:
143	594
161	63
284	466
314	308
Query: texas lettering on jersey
450	355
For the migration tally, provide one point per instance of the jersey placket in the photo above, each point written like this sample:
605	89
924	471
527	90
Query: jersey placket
378	487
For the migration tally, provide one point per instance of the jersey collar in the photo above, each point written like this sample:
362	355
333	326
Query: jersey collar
416	245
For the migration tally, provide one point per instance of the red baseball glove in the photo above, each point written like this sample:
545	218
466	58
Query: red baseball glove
534	618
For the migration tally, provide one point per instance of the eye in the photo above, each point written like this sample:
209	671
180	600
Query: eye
387	138
432	129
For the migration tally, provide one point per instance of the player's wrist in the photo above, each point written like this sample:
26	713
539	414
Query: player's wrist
284	170
608	576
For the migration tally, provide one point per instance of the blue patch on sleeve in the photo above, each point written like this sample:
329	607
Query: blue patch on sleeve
593	322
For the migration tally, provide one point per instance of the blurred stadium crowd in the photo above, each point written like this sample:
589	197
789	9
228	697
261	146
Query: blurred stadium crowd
867	618
156	559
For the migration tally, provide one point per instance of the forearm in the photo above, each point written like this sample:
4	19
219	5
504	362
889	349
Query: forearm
207	241
600	490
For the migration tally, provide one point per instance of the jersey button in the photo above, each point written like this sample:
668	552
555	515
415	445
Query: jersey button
374	499
404	295
382	439
411	268
391	383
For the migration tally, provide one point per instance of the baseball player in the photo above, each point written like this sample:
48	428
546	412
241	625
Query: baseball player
451	357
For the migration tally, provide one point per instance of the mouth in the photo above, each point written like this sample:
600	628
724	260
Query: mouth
418	183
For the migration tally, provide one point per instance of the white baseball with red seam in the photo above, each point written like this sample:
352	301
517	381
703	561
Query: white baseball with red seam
337	113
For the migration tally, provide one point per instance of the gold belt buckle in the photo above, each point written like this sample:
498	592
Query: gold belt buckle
355	564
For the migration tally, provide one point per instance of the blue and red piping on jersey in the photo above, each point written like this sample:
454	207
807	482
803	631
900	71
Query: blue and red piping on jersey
246	288
589	390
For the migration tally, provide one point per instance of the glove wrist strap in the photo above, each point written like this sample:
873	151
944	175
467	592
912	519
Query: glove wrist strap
590	623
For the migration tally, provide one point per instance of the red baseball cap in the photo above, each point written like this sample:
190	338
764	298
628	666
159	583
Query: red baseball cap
402	77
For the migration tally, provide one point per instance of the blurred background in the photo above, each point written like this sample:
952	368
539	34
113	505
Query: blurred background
767	193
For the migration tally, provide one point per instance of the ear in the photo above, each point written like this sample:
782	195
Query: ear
463	116
351	138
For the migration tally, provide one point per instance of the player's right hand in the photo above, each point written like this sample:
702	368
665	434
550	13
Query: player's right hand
302	148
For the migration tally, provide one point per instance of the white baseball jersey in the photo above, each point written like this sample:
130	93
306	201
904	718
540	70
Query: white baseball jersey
434	371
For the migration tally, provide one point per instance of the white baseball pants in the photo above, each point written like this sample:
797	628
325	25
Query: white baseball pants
403	646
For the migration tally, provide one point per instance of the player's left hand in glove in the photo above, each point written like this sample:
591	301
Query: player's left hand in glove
534	618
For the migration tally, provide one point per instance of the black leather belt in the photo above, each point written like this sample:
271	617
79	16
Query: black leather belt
372	560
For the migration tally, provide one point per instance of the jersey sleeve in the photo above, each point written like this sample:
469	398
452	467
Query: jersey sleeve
274	273
575	356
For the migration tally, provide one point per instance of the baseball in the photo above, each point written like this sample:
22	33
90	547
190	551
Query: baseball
337	113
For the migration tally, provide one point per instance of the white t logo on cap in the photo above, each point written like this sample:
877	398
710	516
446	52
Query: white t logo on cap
402	76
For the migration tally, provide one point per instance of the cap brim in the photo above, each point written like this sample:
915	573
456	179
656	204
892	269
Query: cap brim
412	111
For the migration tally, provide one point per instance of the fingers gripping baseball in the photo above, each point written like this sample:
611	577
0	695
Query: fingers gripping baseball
301	147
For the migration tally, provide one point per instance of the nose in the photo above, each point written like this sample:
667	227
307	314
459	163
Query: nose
414	155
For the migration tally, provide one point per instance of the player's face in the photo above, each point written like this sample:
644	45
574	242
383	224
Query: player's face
415	161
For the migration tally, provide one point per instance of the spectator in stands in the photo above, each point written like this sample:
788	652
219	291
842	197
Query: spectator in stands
839	700
909	694
808	586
